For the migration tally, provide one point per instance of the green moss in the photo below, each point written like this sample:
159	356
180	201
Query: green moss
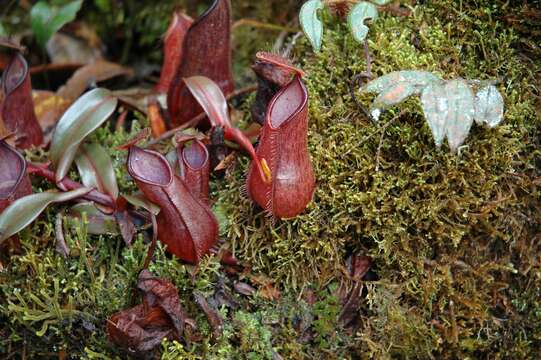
441	227
453	237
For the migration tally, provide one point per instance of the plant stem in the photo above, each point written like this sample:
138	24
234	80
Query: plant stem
152	248
67	184
194	121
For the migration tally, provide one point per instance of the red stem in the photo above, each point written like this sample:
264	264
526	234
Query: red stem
68	184
238	136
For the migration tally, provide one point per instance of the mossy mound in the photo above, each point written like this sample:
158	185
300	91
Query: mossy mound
452	235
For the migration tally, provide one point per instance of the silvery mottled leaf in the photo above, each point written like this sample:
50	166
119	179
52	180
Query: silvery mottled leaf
96	169
419	79
435	106
391	96
358	15
449	109
460	113
488	106
25	210
381	2
83	117
310	23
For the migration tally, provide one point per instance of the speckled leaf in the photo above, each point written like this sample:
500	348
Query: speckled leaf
488	106
419	79
358	15
434	105
397	86
96	169
449	109
310	23
25	210
392	96
82	118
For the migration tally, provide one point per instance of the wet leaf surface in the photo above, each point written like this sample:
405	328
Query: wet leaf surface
25	210
449	110
488	106
211	98
96	169
82	118
396	86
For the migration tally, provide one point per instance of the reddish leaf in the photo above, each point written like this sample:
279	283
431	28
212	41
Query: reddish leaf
14	182
283	143
206	52
172	50
17	109
194	164
349	291
157	123
185	223
359	266
143	327
211	98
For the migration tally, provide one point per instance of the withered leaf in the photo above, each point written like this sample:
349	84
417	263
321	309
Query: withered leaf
90	74
214	318
273	72
143	327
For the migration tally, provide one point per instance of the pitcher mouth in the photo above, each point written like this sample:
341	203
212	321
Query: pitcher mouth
295	85
156	179
14	184
202	162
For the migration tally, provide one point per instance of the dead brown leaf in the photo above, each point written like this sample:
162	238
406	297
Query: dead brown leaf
143	327
93	73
